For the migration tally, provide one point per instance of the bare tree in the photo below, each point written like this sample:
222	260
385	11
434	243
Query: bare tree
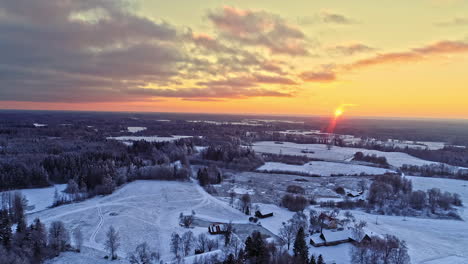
245	203
202	241
143	255
59	238
113	242
187	242
287	233
211	244
78	237
176	244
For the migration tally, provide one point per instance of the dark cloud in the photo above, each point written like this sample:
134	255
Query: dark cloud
259	28
98	50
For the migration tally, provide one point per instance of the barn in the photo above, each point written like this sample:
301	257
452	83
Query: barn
217	228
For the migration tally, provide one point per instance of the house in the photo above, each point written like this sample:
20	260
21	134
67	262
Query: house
260	215
330	238
354	193
328	222
217	228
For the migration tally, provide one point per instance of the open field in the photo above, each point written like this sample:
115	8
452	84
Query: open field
322	168
320	151
141	211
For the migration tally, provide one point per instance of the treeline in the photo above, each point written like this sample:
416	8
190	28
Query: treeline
287	159
232	155
439	170
91	170
394	195
379	160
33	243
15	174
455	156
380	250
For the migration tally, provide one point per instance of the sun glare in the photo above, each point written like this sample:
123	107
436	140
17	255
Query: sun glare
338	112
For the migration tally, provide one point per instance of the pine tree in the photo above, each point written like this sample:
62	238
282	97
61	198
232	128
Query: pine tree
301	251
312	259
5	229
320	260
230	260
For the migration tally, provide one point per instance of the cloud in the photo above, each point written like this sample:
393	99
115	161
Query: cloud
259	28
318	76
99	50
459	21
210	92
248	81
335	18
416	54
67	51
352	49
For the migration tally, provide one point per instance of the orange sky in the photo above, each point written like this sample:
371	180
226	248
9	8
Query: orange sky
389	59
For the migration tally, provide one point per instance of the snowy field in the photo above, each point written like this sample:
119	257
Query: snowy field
40	198
140	211
336	153
149	138
322	168
135	129
430	241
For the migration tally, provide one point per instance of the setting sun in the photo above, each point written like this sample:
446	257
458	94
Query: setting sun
338	112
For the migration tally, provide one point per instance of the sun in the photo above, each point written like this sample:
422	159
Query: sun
338	112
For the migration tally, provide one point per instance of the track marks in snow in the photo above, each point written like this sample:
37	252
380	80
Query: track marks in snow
92	239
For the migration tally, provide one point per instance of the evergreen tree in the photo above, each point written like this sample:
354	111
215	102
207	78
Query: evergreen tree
230	260
38	240
320	260
5	229
312	259
301	251
256	250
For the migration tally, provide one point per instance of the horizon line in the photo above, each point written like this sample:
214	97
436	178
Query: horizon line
415	118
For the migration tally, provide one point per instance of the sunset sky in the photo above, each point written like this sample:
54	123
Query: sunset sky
389	58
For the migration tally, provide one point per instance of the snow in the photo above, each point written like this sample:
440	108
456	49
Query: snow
240	190
275	222
135	129
429	240
39	125
397	159
141	211
126	139
322	168
40	198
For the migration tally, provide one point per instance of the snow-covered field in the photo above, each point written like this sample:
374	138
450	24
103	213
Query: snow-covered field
40	198
336	153
429	240
135	129
141	211
149	138
322	168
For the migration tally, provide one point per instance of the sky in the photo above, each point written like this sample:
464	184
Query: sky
387	58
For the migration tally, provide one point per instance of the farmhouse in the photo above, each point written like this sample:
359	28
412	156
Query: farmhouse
260	215
330	238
